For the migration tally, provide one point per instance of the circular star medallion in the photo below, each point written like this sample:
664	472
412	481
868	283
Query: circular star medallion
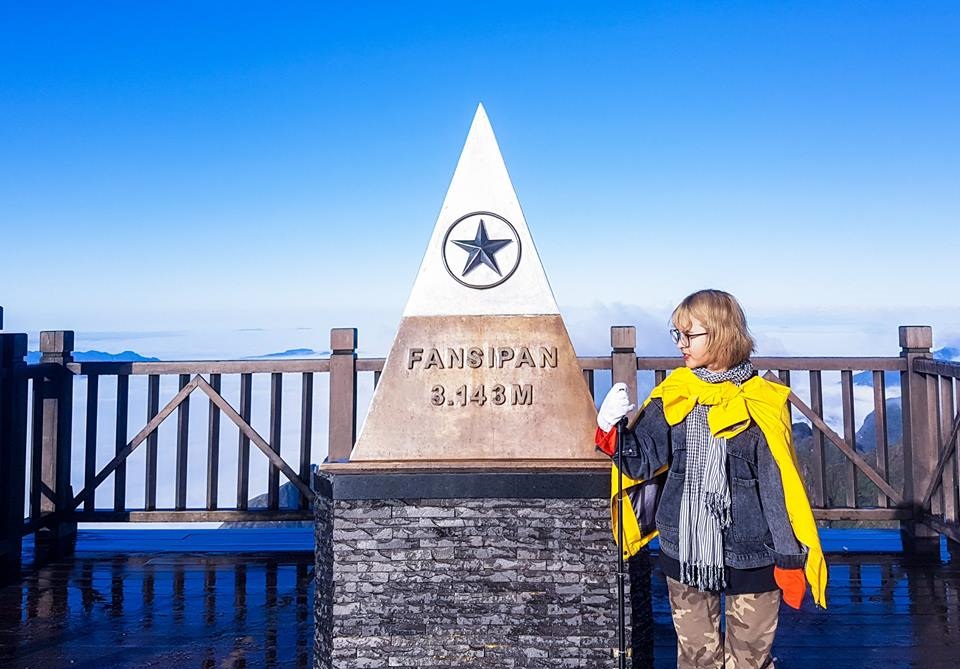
481	250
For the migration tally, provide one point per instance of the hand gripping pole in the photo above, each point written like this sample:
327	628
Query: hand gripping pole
621	652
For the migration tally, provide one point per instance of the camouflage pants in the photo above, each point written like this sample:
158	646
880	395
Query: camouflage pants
751	625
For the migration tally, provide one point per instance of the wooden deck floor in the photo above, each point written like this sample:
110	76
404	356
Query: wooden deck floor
164	598
882	612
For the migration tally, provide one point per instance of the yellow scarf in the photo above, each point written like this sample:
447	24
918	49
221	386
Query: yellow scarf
732	408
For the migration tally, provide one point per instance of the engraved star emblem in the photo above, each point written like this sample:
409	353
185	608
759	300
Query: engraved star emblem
482	250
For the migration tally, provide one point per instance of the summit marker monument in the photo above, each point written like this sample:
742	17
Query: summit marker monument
481	367
470	526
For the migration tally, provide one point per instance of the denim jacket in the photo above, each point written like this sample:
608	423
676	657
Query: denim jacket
760	533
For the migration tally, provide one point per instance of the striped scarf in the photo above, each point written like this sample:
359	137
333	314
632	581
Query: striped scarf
705	503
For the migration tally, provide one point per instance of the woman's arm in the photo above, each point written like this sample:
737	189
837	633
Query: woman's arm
786	550
789	557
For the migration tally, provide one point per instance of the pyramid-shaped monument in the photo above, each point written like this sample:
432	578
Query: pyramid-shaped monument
481	368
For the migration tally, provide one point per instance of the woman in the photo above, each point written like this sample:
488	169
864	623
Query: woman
733	516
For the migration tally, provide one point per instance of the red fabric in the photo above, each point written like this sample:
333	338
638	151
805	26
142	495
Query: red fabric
606	441
793	583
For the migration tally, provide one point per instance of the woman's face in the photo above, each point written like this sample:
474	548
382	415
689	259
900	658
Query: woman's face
694	348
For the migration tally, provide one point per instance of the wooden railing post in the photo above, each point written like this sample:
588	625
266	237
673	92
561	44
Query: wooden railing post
623	359
343	394
56	396
919	439
13	451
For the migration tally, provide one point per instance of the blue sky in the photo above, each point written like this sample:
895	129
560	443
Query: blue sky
194	166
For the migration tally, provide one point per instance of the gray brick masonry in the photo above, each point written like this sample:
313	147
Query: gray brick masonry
465	582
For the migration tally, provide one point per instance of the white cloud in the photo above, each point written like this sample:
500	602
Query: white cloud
589	328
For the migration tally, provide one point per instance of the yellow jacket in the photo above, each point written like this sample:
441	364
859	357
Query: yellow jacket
732	408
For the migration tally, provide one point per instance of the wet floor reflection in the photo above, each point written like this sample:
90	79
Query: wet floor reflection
241	609
883	610
230	610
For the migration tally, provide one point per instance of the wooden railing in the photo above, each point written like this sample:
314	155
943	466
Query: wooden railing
805	377
923	498
935	423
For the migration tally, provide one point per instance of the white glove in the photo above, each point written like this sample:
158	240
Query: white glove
614	407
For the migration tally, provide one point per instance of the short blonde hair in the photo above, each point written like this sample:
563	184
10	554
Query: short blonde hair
728	340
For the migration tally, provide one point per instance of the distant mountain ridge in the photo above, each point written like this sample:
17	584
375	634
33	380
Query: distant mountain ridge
892	379
867	434
291	353
288	497
947	353
33	357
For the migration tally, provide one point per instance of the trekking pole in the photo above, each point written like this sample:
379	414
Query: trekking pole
621	571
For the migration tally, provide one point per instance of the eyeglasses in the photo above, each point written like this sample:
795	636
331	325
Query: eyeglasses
683	338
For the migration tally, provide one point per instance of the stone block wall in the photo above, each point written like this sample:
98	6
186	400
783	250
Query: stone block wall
497	582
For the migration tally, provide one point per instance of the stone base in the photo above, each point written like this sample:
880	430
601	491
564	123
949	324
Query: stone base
499	582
